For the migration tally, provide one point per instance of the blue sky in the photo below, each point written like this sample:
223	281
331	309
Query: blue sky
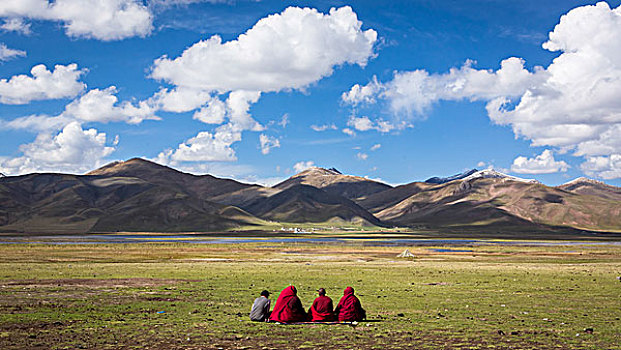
398	91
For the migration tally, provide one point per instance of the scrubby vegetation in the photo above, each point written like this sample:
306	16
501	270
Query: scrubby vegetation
197	296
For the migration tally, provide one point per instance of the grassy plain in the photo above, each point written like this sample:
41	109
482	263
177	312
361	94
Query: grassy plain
197	296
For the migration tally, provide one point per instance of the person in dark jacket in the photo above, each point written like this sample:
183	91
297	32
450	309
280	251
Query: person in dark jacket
322	309
349	308
260	311
288	307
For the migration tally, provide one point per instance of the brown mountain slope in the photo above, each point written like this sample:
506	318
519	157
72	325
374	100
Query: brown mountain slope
294	200
381	200
139	195
333	182
590	187
203	186
489	202
49	203
303	203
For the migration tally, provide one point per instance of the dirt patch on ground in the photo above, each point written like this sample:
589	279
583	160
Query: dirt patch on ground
94	283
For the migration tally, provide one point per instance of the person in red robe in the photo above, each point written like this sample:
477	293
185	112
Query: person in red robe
288	307
322	308
349	308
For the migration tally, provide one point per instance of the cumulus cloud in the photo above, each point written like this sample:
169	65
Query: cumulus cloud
286	51
362	156
606	167
238	104
573	104
301	166
102	106
348	131
97	19
412	93
359	94
180	99
42	84
282	51
213	113
324	127
16	25
365	124
267	143
204	147
376	146
72	149
541	164
7	53
37	123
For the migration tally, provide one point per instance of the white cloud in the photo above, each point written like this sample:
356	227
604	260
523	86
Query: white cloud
213	113
204	147
281	51
238	104
301	166
481	164
324	127
8	54
412	93
362	156
359	94
365	124
541	164
284	120
98	19
102	106
605	167
95	106
376	146
361	123
16	25
267	143
42	84
573	104
37	123
73	149
579	105
348	131
180	100
288	50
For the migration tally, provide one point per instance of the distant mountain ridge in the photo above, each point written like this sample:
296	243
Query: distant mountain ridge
474	174
140	195
442	180
586	186
333	182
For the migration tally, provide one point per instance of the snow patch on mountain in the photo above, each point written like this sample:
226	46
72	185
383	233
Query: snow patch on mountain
493	174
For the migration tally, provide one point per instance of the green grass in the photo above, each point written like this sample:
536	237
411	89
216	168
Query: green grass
109	296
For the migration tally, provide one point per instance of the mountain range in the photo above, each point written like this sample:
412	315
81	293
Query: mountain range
139	195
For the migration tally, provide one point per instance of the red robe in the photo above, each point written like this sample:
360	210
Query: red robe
349	308
288	307
321	310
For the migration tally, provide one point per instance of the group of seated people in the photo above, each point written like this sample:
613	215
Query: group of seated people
288	308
